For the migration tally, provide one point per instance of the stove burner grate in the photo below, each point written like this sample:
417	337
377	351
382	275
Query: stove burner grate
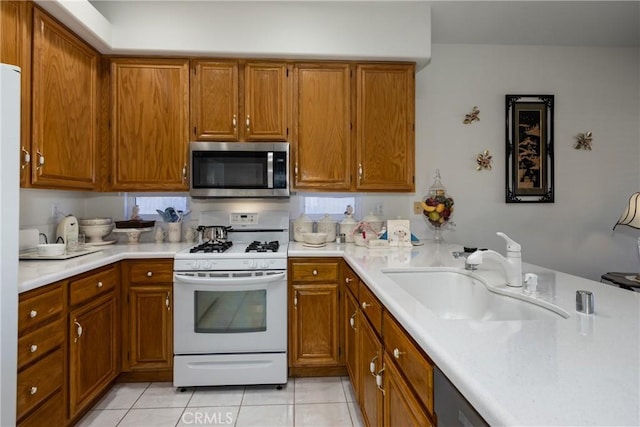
256	246
211	247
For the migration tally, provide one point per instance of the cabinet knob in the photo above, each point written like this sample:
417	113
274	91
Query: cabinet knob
33	314
360	172
397	353
78	330
248	122
99	284
33	390
372	365
33	348
149	273
365	305
352	320
26	158
40	161
234	121
315	272
348	279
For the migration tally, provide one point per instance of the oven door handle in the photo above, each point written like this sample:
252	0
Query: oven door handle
255	280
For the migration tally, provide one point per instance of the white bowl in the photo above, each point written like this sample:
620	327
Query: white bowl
95	233
95	221
314	238
51	249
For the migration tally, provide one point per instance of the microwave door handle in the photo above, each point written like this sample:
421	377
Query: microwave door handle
270	169
235	281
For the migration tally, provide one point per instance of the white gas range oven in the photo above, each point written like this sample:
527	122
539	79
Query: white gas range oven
230	299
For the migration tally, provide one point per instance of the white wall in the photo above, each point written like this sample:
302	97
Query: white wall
596	89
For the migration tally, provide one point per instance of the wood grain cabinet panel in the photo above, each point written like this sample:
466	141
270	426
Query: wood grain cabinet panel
385	127
351	321
38	306
239	101
369	365
149	124
322	148
51	413
39	381
65	104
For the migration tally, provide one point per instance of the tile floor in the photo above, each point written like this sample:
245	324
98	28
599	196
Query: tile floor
317	402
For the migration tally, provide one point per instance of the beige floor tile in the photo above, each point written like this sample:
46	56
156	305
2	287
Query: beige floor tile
322	415
122	396
163	395
348	389
102	418
153	417
211	416
356	414
266	416
217	396
269	395
319	390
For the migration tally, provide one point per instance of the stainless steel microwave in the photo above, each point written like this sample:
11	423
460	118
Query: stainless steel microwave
239	169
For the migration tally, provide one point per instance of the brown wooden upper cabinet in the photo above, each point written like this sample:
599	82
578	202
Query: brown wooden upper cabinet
322	158
149	124
64	144
385	132
353	133
238	101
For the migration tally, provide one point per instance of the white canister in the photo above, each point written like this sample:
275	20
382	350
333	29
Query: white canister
374	221
300	226
174	231
347	226
327	225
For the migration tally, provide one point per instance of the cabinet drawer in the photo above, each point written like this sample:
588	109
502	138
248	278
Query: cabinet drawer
37	382
370	306
33	345
49	414
314	271
88	287
415	366
34	310
350	279
150	271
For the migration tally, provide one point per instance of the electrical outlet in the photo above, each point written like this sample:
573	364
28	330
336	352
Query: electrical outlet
417	208
56	214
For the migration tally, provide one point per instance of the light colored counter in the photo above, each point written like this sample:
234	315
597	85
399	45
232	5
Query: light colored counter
584	370
33	274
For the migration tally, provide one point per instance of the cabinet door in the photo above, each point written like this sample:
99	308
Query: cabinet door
92	350
370	363
64	110
322	127
214	100
351	321
385	127
401	408
15	49
150	134
265	101
150	328
314	338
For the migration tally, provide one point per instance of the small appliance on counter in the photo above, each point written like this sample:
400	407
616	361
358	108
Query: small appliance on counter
68	232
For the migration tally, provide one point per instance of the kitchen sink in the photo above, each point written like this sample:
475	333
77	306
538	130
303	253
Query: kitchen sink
458	295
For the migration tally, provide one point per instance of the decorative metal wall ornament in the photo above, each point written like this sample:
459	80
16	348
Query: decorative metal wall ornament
529	148
583	140
484	160
473	116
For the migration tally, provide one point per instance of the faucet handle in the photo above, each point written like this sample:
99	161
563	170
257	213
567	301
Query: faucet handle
530	283
512	245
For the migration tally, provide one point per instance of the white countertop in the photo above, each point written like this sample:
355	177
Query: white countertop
584	370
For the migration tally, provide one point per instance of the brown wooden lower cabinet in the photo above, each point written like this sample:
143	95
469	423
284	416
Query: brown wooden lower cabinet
351	320
369	365
51	413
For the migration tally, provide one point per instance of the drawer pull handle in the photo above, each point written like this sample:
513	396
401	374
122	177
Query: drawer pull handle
33	314
33	348
248	122
372	365
397	353
348	279
234	121
149	273
99	284
365	305
315	272
33	390
352	320
78	330
167	301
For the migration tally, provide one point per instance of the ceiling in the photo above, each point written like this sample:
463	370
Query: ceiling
545	23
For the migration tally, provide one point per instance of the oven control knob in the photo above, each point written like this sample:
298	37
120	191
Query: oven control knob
252	264
265	264
195	265
208	265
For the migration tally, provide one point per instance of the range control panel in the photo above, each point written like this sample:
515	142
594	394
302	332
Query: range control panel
243	218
